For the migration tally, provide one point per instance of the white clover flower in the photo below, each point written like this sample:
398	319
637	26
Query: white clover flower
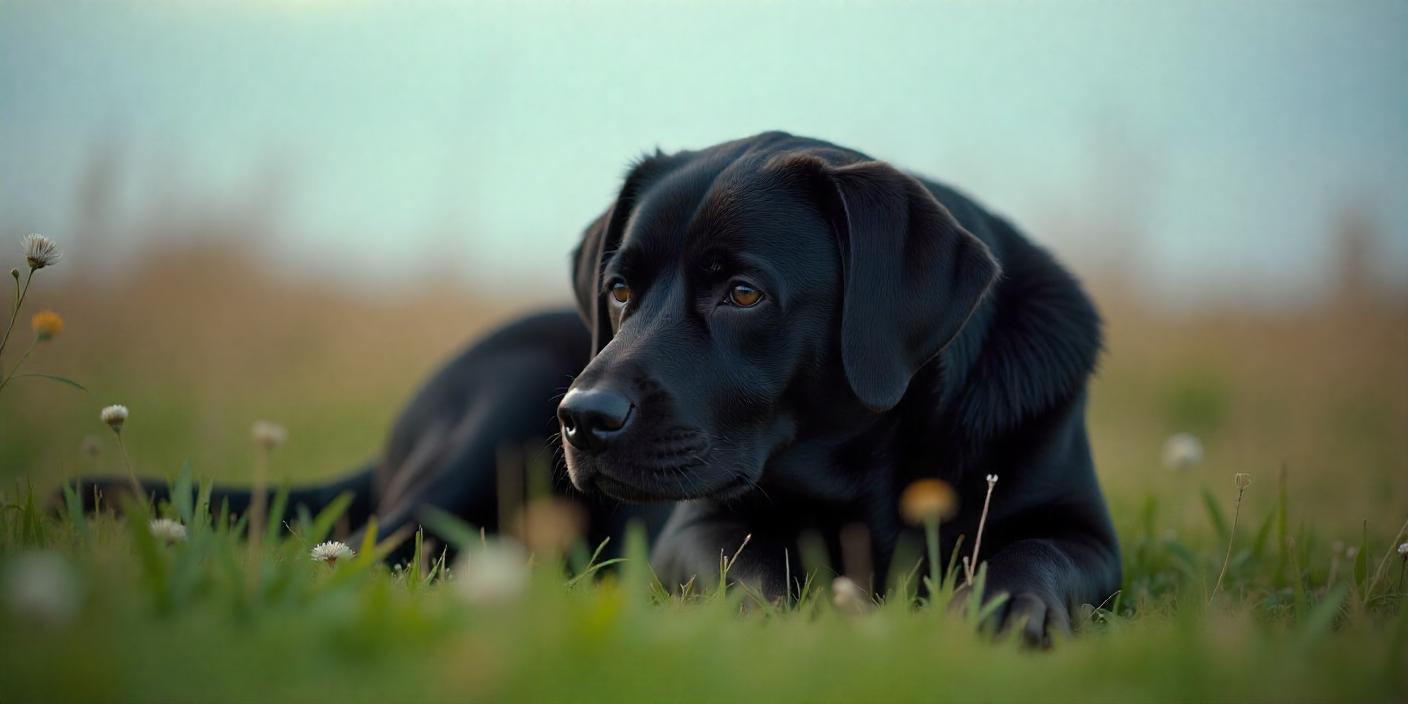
847	596
40	251
1403	550
114	416
331	551
494	573
1182	451
41	586
268	435
167	530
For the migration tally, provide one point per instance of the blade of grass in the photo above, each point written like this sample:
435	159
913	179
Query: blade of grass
1318	620
450	528
1219	521
181	496
74	508
327	518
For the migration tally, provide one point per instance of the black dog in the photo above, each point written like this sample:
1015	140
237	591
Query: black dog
781	335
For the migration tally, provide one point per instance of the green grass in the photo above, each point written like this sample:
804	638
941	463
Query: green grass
1316	391
186	622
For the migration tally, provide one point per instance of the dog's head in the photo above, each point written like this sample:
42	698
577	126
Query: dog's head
749	296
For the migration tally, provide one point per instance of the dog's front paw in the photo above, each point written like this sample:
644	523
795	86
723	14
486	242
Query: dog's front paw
1038	618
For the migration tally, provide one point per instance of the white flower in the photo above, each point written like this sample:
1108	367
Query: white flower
114	416
1182	451
168	530
1403	550
40	586
331	551
992	478
494	573
849	597
268	435
40	251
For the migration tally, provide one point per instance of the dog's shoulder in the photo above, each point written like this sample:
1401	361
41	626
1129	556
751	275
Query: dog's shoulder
1034	341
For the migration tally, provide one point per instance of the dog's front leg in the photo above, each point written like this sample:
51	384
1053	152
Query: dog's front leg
700	536
1044	579
1053	547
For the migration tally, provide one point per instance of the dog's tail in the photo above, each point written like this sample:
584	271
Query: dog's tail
105	492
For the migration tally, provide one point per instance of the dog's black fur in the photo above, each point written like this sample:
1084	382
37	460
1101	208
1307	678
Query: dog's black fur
902	332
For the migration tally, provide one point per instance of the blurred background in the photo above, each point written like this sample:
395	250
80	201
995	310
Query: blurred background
295	209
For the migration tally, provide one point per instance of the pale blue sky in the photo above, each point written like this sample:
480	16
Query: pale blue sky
1211	144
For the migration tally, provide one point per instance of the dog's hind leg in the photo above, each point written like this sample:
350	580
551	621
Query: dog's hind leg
108	490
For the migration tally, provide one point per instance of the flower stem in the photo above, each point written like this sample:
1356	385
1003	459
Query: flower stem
131	476
972	565
1231	538
931	538
258	506
6	379
15	312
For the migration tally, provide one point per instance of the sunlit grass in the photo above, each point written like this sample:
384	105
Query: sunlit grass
1309	608
161	619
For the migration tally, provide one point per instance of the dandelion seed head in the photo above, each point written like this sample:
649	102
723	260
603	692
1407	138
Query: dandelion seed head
847	596
40	586
927	500
114	415
268	435
494	573
167	530
40	251
331	551
46	324
1182	451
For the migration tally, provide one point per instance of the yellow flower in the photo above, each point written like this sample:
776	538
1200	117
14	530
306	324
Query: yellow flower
927	500
46	324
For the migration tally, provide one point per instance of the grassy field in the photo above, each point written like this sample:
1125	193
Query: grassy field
1311	403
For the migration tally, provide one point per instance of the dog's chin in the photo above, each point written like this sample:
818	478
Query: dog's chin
592	476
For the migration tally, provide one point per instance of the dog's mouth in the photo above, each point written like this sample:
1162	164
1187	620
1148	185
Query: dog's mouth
691	480
636	492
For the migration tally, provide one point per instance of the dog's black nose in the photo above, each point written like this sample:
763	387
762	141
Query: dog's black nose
591	417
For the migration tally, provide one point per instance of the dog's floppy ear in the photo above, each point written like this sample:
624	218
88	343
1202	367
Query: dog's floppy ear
912	277
586	280
602	237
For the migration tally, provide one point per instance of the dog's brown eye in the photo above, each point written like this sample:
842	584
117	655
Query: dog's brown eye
744	296
621	292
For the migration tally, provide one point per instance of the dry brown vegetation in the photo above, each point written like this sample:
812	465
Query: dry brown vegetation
202	340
